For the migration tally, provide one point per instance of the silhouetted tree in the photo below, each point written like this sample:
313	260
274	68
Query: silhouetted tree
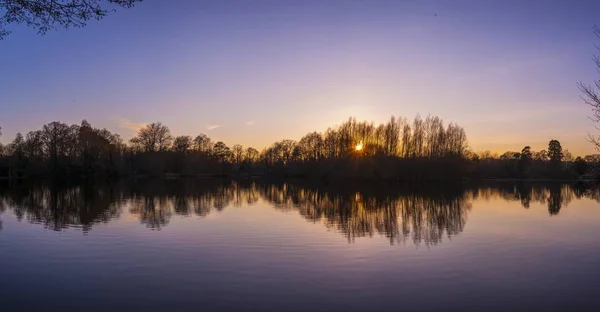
237	153
594	158
525	159
221	152
555	153
526	153
44	15
282	152
331	144
203	144
60	145
252	155
98	150
182	144
591	94
541	155
311	147
153	138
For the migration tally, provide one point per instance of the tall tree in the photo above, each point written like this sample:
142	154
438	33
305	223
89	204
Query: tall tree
92	148
237	152
555	152
44	15
392	136
58	139
330	144
591	95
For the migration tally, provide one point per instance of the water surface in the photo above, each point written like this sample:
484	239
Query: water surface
253	246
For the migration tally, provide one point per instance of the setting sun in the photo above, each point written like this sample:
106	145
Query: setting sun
359	146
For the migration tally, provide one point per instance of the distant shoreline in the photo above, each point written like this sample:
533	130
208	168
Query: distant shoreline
300	178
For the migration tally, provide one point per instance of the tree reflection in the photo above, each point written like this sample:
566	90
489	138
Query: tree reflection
62	206
2	210
555	199
424	215
554	195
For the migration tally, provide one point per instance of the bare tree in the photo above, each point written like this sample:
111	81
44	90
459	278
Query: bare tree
182	144
203	144
591	95
311	146
44	15
252	155
58	139
541	156
221	152
330	143
237	152
392	136
153	138
284	150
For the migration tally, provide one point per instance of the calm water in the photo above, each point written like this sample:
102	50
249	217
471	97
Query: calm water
227	246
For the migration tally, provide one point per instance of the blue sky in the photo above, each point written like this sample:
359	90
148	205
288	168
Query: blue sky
253	72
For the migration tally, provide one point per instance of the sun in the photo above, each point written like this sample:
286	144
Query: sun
359	146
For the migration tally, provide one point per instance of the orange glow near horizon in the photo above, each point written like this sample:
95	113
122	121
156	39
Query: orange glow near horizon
359	147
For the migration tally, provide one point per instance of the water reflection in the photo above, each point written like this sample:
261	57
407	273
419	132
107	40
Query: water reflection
62	207
554	195
421	215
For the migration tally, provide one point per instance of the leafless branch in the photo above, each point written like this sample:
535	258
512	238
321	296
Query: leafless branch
45	15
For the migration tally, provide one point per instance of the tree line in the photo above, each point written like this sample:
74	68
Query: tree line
418	150
550	163
355	148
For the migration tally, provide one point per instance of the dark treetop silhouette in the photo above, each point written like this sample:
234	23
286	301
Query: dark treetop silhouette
44	15
397	150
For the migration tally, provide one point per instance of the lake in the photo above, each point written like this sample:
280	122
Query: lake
203	245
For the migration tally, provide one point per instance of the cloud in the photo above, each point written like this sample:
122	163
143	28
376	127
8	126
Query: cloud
250	123
212	127
133	126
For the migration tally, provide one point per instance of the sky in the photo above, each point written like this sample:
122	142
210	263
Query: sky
253	72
